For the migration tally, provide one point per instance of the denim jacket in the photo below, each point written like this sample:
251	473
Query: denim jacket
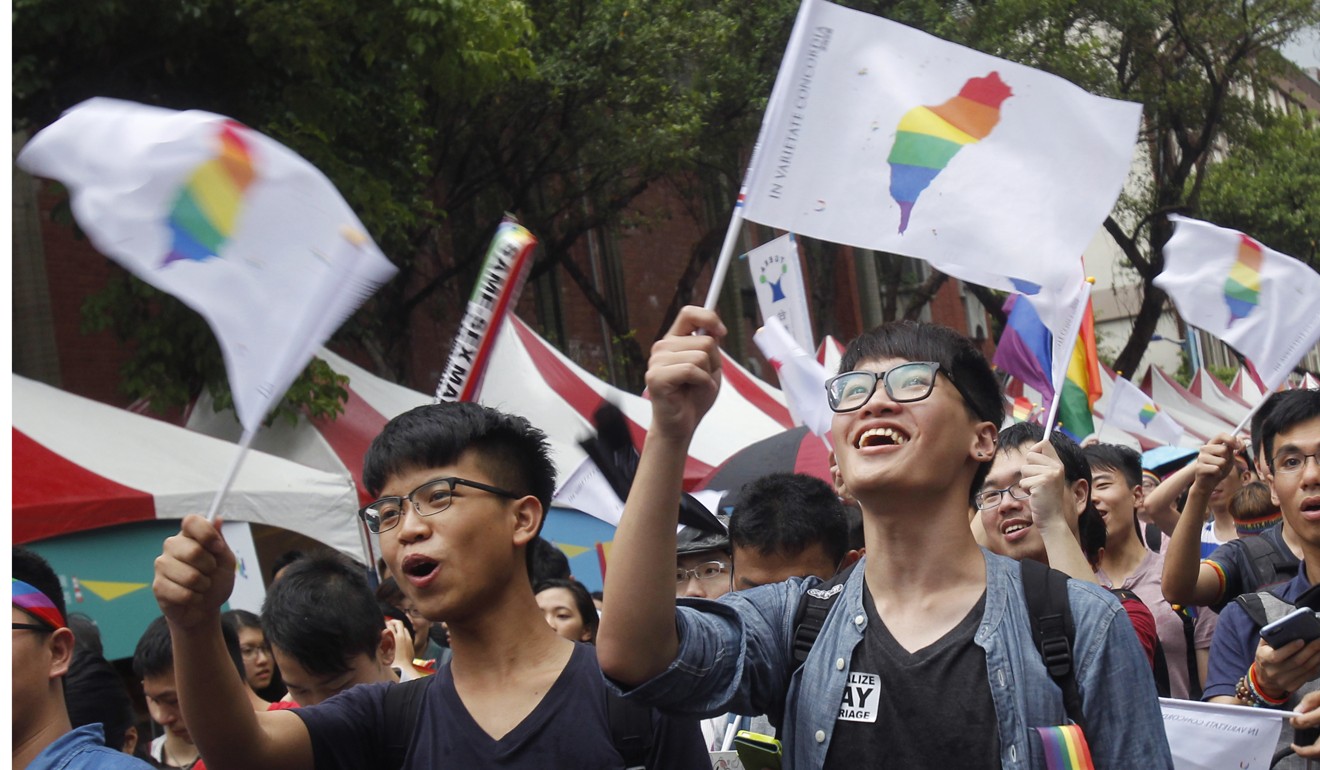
737	655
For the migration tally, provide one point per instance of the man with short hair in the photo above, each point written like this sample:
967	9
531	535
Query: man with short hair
1127	563
462	489
42	648
1033	497
1244	669
1036	504
787	525
326	629
153	663
927	657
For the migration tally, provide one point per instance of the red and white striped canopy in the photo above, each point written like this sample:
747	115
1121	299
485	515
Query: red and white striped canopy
80	465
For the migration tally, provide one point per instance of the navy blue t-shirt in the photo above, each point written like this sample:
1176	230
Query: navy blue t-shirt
568	728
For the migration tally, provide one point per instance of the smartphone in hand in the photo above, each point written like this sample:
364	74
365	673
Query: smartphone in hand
1299	624
757	751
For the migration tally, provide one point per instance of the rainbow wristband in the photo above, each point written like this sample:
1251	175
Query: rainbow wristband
1259	694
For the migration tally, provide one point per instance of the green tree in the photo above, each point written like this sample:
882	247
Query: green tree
1269	186
353	88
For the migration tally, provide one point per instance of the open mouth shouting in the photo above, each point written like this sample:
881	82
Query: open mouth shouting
881	437
419	570
1310	508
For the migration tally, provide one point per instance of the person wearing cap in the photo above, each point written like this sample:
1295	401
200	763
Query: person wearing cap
704	559
43	736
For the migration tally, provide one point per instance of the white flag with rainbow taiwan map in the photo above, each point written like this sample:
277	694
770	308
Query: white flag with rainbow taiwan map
1256	299
883	137
236	225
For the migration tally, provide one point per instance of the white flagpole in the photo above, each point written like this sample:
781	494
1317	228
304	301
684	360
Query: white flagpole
777	96
244	444
726	254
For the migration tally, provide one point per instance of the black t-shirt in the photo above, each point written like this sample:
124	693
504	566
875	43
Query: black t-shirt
568	728
926	709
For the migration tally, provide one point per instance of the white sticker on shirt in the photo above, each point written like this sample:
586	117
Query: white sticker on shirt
860	698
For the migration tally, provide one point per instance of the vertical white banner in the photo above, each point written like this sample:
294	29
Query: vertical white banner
781	293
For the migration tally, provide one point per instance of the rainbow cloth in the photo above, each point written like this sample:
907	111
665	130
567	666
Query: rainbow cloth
1065	748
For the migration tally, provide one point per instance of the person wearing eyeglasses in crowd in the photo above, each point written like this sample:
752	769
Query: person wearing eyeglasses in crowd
43	647
1244	669
703	561
258	662
461	490
927	658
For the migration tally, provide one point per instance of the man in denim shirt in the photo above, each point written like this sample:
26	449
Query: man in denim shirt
926	659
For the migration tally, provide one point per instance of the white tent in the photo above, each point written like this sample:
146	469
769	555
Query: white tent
81	465
526	375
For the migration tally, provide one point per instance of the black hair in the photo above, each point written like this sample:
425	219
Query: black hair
1091	534
1075	465
1258	420
856	526
546	561
284	560
154	655
244	619
1116	457
585	606
785	513
958	357
1295	407
32	569
389	592
323	614
511	450
93	691
394	612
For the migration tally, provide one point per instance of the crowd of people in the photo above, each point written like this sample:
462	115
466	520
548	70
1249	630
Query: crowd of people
960	596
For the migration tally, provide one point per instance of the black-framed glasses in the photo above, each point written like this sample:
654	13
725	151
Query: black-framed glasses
993	497
427	500
904	383
1293	462
704	571
32	627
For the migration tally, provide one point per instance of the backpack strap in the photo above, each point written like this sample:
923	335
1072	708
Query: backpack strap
813	607
403	705
1267	565
1046	592
632	729
1263	607
1188	617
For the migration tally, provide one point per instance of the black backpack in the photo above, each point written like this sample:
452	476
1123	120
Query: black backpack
632	728
1046	592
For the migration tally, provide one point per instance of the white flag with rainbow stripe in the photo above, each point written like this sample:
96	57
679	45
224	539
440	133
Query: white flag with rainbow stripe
1261	302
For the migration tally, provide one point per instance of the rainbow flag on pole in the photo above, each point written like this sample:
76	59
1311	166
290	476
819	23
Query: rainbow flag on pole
1081	386
1028	350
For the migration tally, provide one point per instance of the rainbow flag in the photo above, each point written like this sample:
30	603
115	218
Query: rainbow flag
1065	748
1026	351
1023	409
1242	287
1081	387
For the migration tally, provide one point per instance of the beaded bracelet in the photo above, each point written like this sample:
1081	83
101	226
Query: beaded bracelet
1258	695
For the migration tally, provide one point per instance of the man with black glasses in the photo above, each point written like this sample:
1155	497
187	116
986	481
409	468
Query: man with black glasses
43	736
462	492
926	657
